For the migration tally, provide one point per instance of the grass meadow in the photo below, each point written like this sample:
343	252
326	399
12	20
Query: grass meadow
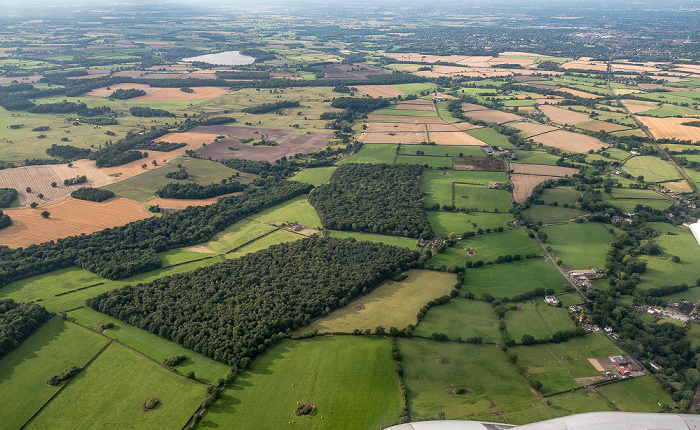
374	153
296	210
552	214
560	195
536	157
661	270
350	380
491	137
579	245
235	236
510	279
425	160
315	176
461	319
653	169
439	189
401	242
642	394
481	197
444	223
540	321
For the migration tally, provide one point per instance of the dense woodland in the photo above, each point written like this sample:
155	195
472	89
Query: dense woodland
239	308
92	194
271	107
191	190
373	198
17	322
149	112
5	220
125	94
7	196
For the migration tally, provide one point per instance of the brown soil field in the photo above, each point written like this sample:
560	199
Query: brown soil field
406	118
524	184
104	92
174	94
379	90
163	75
596	125
542	170
525	78
444	96
454	138
669	128
569	141
386	127
487	164
468	107
525	62
39	179
183	203
531	128
407	138
465	125
68	217
20	79
496	116
443	127
581	94
636	106
564	116
549	101
620	67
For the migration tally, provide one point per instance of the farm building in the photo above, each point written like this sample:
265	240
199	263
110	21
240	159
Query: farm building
552	300
621	363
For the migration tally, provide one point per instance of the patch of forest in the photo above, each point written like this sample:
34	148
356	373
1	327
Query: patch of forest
17	322
147	112
239	308
125	94
92	194
271	107
7	196
5	220
192	190
373	198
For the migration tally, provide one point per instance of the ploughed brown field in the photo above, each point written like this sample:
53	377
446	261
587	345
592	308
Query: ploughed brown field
387	127
569	141
422	105
379	90
564	116
68	217
488	164
531	128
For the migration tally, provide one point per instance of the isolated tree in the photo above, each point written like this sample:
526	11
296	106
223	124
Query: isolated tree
40	195
29	189
54	184
33	205
46	214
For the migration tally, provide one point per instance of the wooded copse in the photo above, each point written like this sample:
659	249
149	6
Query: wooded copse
191	190
239	308
17	322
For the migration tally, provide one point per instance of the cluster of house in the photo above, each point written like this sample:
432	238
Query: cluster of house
582	278
292	226
498	150
681	310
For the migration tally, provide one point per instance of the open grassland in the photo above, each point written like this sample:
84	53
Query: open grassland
661	270
540	321
560	195
486	247
315	176
535	157
380	153
132	380
439	184
414	88
461	319
552	214
577	402
50	350
432	162
433	370
442	151
642	394
653	169
233	237
444	223
298	210
401	242
157	348
204	172
273	238
482	198
393	304
627	199
508	280
579	245
491	137
350	380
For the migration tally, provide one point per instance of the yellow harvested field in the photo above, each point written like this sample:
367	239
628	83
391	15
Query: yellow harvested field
465	125
531	128
584	64
626	67
465	60
524	184
444	127
183	203
391	304
679	187
669	128
542	170
21	79
107	91
468	107
596	125
549	101
386	127
636	106
578	93
406	138
569	141
490	115
68	217
39	179
525	62
379	90
174	94
564	116
405	118
454	138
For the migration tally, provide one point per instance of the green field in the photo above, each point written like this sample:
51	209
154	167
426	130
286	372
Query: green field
50	350
273	238
374	153
540	321
350	380
560	195
414	88
661	270
157	348
461	319
482	198
132	380
444	114
315	176
556	365
510	279
235	236
442	151
444	223
627	199
401	242
431	369
430	161
179	256
393	304
486	247
438	184
652	168
391	110
143	187
298	210
552	214
491	137
579	245
642	394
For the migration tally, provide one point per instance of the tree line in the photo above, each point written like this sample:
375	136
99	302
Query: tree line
239	308
271	107
192	190
17	322
373	198
147	112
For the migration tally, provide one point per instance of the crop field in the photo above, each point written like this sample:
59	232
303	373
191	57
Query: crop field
372	154
315	176
486	247
568	141
535	157
54	347
481	197
490	115
669	128
439	188
564	116
391	110
552	214
491	137
653	169
557	365
444	223
457	138
508	280
401	242
661	269
386	91
424	160
461	319
68	217
432	370
443	151
298	210
524	184
414	88
132	380
627	199
39	179
157	348
143	187
532	128
642	394
350	380
386	127
579	245
540	321
393	304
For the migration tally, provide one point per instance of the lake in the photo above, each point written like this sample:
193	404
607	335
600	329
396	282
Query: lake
226	58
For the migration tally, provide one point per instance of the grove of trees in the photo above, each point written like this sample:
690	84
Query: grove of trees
17	322
92	194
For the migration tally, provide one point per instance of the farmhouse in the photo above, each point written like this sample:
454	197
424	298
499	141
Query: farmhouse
552	300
